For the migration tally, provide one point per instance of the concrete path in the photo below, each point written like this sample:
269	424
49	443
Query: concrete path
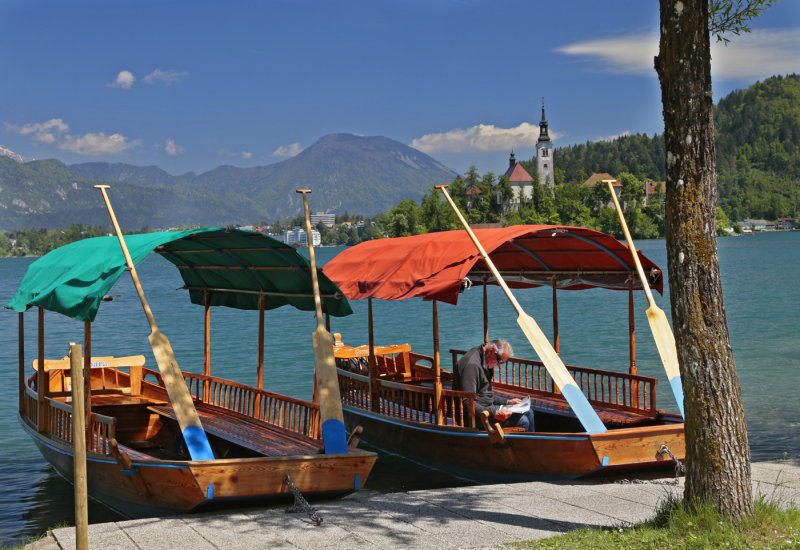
484	516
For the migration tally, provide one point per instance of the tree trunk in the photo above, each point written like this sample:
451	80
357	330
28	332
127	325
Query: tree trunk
717	450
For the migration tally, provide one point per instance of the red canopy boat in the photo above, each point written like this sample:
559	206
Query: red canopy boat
405	400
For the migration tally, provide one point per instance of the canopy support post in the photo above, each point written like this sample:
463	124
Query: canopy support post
556	336
632	345
87	377
206	344
485	313
260	360
373	366
21	361
42	380
437	373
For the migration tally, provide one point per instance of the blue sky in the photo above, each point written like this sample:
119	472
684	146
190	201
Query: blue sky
188	86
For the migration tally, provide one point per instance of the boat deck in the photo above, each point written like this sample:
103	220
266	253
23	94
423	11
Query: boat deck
259	437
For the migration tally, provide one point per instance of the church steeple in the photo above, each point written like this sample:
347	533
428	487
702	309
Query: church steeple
543	135
544	154
512	161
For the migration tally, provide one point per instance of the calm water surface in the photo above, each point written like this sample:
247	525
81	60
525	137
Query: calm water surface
761	298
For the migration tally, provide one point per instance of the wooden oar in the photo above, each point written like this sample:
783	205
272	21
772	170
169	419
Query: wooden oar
552	362
334	436
191	428
659	325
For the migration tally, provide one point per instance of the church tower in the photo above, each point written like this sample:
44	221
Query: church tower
544	154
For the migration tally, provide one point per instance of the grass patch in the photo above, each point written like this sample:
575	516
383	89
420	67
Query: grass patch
677	525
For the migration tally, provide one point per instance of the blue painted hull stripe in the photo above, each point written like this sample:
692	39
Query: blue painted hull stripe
480	435
677	391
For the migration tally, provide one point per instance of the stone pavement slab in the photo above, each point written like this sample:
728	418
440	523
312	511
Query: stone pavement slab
481	516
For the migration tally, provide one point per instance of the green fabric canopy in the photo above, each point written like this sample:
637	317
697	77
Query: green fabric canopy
235	267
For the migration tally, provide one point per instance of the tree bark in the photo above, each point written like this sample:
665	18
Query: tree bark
717	449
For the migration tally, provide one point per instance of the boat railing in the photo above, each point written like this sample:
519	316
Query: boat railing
279	410
407	401
58	422
616	390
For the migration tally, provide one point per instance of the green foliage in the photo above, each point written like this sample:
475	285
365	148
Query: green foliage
731	16
37	242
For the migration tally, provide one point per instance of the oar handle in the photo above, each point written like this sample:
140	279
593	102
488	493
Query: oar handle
128	261
635	255
479	246
311	257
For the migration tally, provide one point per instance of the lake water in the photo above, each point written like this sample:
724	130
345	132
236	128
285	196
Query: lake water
761	298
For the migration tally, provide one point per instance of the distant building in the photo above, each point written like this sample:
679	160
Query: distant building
653	188
785	224
298	236
598	178
327	219
544	154
521	181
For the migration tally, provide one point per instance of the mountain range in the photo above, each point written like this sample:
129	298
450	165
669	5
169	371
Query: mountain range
347	173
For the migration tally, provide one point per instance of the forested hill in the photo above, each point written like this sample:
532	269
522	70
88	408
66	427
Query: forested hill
758	152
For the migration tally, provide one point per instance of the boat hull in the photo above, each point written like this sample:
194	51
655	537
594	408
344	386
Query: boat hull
155	487
522	456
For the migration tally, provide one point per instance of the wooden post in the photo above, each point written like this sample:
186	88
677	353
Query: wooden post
207	334
631	329
373	365
260	360
206	344
556	337
87	376
437	380
21	337
632	345
485	313
42	379
79	448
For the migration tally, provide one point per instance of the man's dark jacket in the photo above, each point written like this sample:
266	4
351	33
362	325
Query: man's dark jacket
471	374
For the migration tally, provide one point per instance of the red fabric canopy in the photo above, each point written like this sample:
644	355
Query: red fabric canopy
435	266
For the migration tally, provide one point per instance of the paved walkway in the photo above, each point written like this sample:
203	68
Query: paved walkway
484	516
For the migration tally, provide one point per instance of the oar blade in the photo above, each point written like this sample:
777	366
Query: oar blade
552	362
180	398
334	435
665	342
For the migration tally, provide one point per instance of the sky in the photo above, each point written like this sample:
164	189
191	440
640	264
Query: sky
192	85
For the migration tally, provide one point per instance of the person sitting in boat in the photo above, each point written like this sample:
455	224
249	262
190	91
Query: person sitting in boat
474	373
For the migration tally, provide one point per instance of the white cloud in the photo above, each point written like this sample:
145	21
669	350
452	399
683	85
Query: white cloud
97	144
246	154
44	132
483	137
171	148
751	56
288	150
168	77
125	80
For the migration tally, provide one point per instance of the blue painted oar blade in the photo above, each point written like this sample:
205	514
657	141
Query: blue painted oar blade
334	436
197	443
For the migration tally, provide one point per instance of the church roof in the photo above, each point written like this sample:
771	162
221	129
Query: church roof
518	173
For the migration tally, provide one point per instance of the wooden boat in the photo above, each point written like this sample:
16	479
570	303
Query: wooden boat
137	461
405	401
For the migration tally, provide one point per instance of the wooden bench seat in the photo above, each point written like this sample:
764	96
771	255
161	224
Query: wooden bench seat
260	438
